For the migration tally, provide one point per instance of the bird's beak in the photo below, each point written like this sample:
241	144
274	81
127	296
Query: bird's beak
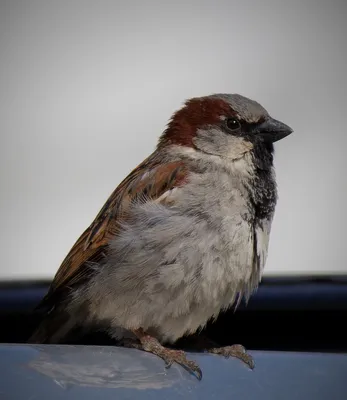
272	130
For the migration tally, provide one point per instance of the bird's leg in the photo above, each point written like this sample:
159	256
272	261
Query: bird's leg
237	350
150	344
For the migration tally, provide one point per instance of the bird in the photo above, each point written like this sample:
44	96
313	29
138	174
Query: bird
182	238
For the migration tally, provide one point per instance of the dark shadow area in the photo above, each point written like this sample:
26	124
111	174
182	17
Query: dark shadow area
284	314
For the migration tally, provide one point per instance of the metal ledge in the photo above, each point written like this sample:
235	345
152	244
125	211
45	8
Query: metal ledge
91	372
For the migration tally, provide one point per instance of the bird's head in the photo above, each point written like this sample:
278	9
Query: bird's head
225	125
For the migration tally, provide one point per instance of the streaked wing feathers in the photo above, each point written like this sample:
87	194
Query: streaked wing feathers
150	180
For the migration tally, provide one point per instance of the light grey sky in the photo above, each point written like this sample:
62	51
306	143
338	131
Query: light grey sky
86	88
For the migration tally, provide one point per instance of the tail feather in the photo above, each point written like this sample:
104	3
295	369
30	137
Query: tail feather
54	328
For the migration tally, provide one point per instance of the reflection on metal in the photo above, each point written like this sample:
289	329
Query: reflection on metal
92	372
107	367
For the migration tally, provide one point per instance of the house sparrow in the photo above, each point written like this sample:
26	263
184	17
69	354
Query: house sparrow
184	236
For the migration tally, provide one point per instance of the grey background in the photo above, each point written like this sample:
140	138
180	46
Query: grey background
86	87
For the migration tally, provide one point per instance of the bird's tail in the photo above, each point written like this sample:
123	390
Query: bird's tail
54	328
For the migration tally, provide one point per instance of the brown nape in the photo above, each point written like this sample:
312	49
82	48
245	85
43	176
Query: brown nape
197	112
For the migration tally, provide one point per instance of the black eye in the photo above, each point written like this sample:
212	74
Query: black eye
233	124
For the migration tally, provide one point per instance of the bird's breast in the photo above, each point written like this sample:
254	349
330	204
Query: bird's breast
179	263
223	245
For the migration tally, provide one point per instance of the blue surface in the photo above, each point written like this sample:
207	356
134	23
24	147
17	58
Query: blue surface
91	372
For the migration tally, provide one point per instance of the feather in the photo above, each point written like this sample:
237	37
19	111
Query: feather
150	180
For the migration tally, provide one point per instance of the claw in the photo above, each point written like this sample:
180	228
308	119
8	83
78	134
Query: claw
237	351
152	345
178	356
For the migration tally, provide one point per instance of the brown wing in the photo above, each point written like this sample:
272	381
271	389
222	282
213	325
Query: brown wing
150	179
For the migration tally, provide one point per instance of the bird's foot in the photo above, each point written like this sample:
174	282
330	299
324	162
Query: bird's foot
236	350
202	342
150	344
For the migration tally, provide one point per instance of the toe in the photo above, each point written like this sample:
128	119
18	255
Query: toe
195	368
237	351
180	358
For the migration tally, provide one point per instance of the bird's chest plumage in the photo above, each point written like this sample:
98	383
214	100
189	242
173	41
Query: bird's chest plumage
224	237
181	263
216	254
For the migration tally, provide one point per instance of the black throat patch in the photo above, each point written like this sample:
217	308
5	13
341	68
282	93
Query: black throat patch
264	189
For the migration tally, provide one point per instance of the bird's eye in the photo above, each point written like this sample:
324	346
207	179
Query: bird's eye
233	124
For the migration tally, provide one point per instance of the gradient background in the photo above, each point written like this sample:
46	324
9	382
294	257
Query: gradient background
86	87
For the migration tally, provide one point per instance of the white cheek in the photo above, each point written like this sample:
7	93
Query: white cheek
243	166
237	161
